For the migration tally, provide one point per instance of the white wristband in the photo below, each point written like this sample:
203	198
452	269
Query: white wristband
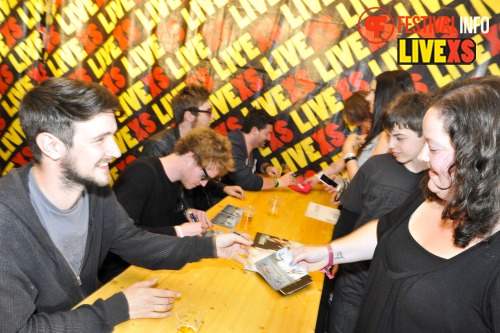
178	230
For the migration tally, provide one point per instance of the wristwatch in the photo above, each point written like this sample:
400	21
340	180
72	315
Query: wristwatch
349	157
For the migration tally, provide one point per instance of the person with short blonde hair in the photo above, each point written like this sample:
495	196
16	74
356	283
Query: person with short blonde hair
149	188
209	148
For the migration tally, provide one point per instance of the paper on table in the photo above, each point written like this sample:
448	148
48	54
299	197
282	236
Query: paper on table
228	217
263	246
255	254
322	213
278	271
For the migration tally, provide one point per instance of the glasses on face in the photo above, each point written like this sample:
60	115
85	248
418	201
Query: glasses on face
205	176
193	109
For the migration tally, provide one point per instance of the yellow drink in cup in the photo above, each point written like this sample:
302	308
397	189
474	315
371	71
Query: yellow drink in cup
248	214
189	318
186	329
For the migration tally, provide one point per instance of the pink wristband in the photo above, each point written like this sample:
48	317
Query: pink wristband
327	269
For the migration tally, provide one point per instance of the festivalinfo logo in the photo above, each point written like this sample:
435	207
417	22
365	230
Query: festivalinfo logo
376	25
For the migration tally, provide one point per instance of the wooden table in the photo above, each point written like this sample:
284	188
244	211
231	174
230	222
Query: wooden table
232	299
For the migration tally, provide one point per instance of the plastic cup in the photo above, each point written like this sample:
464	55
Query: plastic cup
189	318
248	214
273	205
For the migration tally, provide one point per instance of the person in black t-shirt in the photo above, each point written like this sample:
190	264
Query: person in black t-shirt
380	185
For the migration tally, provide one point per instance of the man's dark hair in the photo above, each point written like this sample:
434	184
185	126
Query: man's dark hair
57	103
191	97
257	118
406	111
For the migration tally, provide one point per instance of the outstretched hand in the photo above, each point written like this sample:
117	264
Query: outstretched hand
311	258
232	246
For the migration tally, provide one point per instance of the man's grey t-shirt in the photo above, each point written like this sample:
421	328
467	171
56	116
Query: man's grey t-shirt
68	229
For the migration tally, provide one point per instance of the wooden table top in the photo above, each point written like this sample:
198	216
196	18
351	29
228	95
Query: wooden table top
232	299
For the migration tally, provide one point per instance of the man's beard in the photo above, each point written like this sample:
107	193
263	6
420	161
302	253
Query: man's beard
72	178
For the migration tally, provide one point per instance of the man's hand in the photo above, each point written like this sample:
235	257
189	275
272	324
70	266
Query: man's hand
235	191
147	302
232	245
191	229
287	179
200	216
272	171
311	258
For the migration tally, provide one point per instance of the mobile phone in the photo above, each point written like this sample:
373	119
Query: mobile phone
339	193
328	181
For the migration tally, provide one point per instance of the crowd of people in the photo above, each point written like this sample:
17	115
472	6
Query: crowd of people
416	247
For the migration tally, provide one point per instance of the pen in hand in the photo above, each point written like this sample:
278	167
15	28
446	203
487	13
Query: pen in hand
237	233
193	218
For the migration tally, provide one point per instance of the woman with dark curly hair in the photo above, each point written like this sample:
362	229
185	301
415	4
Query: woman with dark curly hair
436	259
